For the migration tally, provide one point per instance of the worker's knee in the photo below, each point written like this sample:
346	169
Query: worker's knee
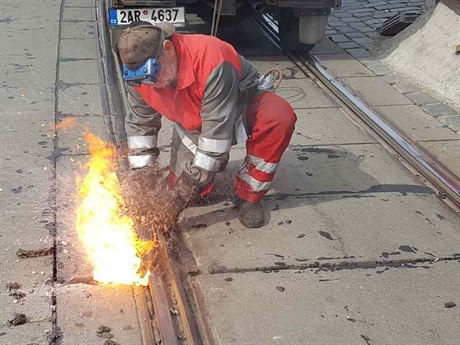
281	116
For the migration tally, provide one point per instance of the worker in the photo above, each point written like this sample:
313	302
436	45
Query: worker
215	99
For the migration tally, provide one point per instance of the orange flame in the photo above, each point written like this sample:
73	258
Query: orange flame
107	234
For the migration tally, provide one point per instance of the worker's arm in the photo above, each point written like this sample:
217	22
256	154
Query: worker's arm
142	124
218	113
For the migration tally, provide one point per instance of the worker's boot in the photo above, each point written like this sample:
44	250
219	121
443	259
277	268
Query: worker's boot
251	214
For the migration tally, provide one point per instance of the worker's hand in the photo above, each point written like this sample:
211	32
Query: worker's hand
187	188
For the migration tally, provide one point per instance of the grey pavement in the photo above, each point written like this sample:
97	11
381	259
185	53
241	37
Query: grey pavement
354	28
339	199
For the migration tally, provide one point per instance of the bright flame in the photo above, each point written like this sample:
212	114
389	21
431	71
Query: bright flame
107	234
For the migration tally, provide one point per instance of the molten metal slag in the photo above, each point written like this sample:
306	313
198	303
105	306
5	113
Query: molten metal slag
104	228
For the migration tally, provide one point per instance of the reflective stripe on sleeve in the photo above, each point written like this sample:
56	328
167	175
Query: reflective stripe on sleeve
256	185
141	161
206	162
262	165
214	145
188	143
142	142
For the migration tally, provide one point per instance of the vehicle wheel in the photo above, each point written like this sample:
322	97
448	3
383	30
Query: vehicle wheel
288	26
205	12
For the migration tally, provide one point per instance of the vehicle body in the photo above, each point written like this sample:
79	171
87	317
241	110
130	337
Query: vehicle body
301	23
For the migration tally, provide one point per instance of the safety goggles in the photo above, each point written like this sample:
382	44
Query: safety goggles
146	74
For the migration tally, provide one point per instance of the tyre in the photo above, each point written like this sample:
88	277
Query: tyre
288	26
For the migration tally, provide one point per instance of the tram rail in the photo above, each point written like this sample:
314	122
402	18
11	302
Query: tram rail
168	311
436	175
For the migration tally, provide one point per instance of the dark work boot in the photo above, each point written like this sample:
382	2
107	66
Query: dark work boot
251	214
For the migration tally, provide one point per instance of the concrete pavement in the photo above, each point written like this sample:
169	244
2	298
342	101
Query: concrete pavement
339	198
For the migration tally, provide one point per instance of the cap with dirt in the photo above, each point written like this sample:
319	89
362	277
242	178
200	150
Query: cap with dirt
142	41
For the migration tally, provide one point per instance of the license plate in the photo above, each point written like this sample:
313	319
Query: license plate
174	15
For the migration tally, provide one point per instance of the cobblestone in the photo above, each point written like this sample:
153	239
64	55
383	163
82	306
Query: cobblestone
339	38
405	87
438	109
346	29
365	17
348	45
354	34
421	98
451	121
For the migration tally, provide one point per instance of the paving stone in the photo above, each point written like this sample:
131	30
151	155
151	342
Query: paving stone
288	68
375	22
341	14
438	109
83	308
363	14
79	49
366	29
376	3
451	121
335	225
80	3
348	45
372	34
303	93
376	91
351	20
383	15
378	68
421	98
74	14
446	151
356	306
417	124
405	87
363	40
326	46
346	29
354	34
71	139
336	24
358	53
343	65
80	100
78	30
339	38
359	10
80	72
310	121
358	25
331	32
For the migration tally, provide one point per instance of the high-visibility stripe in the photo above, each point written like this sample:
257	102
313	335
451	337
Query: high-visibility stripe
142	142
256	185
188	143
141	161
262	165
214	145
206	162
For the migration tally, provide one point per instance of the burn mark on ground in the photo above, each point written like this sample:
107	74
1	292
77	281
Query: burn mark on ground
366	339
332	156
326	235
408	249
199	226
34	253
18	319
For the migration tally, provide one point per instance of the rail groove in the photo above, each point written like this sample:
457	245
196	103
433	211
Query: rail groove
439	177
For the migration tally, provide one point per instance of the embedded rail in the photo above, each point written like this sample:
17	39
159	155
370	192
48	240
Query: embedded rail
437	176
